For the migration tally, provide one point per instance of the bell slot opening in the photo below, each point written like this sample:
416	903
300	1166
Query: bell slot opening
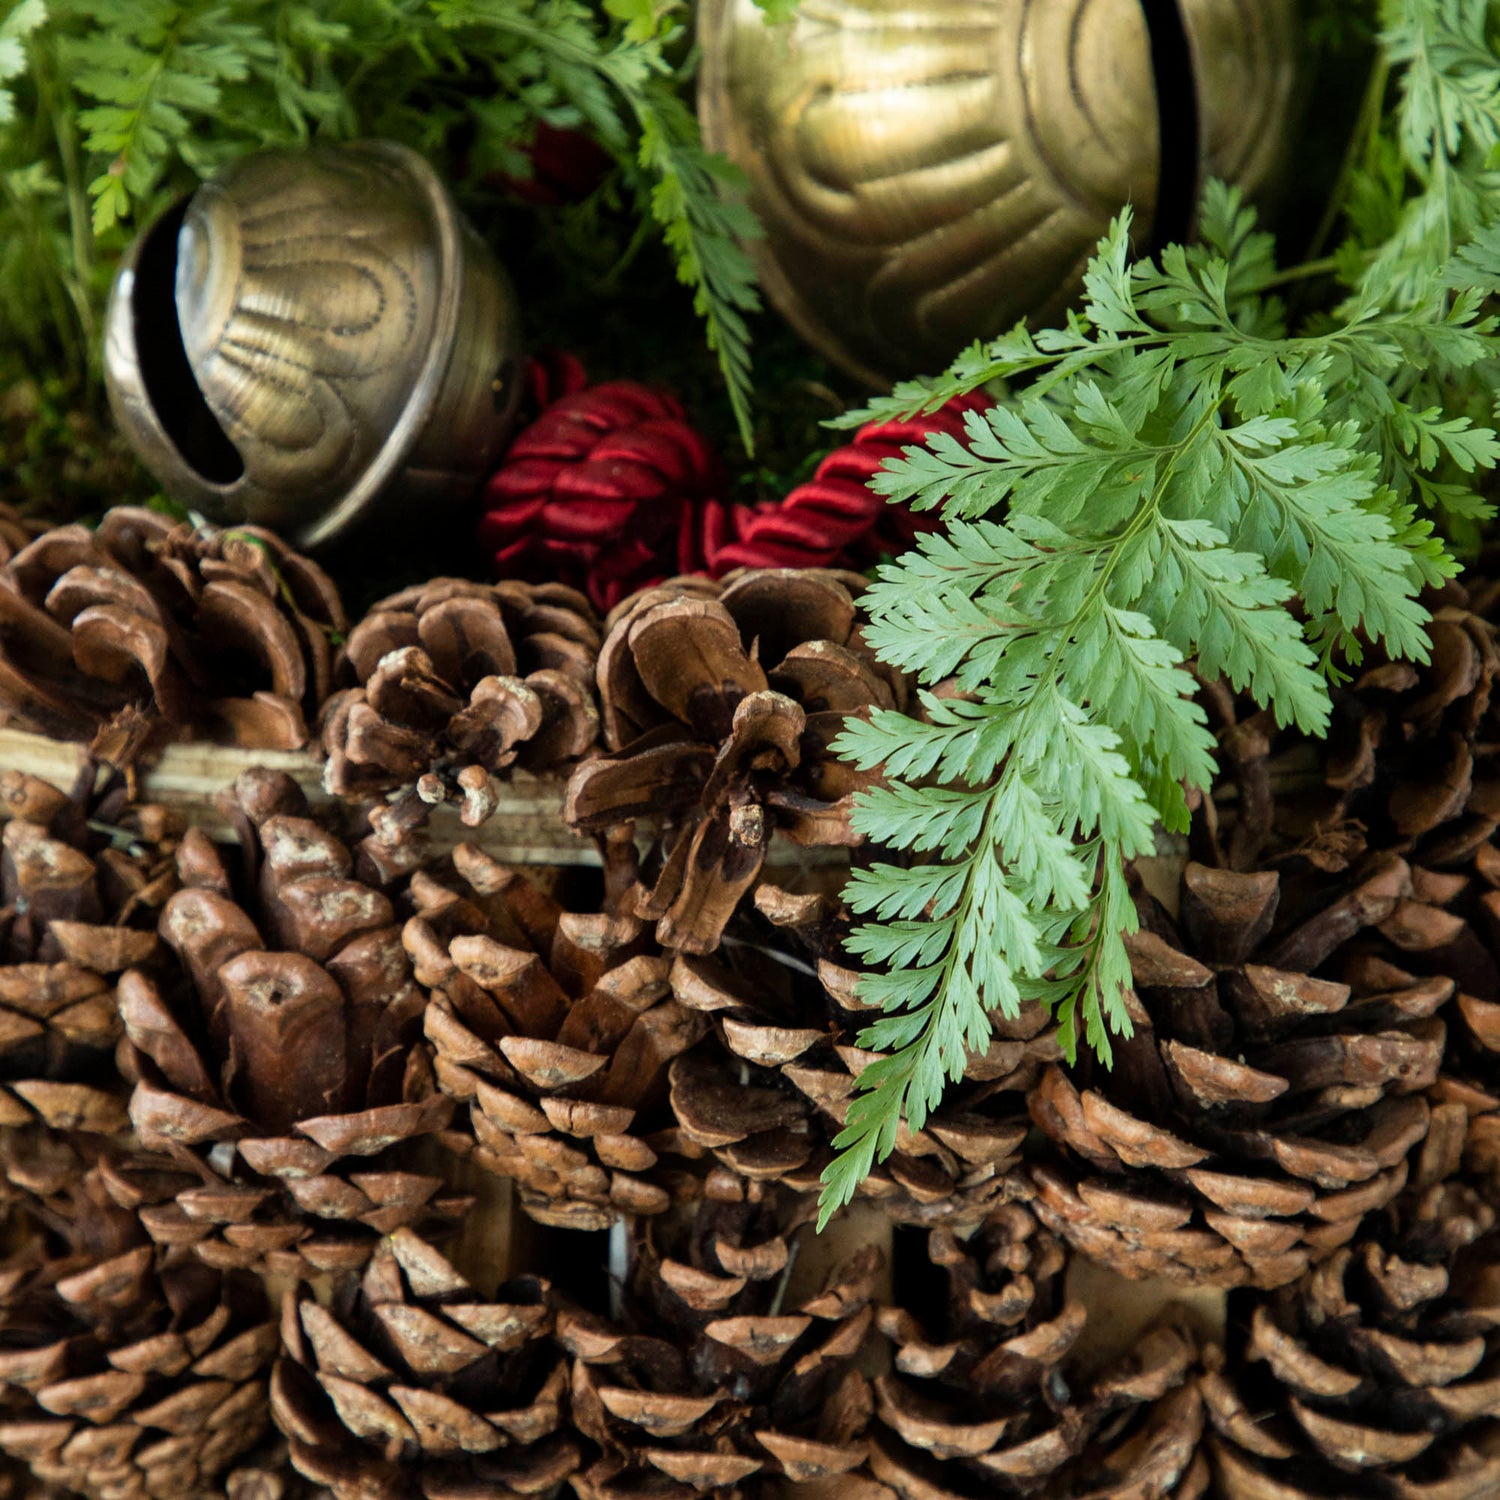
166	373
1178	126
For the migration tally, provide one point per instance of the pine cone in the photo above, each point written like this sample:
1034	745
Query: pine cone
284	1066
222	635
703	1385
1291	1014
16	531
1470	1081
767	1093
981	1401
457	681
719	704
1407	768
125	1370
267	1474
413	1385
76	909
1410	744
556	1029
1412	760
1148	1426
978	1399
1260	1110
1375	1373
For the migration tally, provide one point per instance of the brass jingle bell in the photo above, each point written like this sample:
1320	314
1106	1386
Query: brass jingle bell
311	338
928	172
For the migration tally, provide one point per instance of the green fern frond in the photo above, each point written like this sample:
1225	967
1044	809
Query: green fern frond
1182	478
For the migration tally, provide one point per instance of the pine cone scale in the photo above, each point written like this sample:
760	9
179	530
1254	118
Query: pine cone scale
441	1400
453	684
556	1035
719	704
299	1056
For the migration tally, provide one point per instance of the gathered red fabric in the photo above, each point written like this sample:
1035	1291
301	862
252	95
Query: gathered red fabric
566	166
611	488
835	518
551	374
600	492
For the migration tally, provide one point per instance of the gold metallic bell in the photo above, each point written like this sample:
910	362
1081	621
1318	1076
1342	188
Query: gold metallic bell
930	171
312	337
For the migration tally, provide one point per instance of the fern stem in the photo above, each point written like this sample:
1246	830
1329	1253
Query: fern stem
52	274
170	38
57	103
1147	515
1304	271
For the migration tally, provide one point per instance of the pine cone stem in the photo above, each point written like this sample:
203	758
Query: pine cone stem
818	1256
495	1241
526	827
1120	1311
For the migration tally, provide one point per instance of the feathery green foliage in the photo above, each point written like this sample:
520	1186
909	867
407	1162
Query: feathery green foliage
1176	477
22	20
109	107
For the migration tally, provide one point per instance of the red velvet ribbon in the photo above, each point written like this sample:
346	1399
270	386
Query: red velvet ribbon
566	166
835	518
599	492
611	487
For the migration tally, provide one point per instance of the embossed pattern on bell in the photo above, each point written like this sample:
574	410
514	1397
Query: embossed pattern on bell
928	173
289	289
314	335
1245	56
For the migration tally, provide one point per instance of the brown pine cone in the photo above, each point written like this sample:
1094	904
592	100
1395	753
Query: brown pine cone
267	1474
704	1384
981	1401
454	682
284	1065
1301	997
1273	1087
127	1371
771	1088
225	635
83	879
1412	758
1470	1080
413	1385
1411	750
556	1029
1377	1374
16	531
1408	764
719	704
977	1398
1147	1422
1409	770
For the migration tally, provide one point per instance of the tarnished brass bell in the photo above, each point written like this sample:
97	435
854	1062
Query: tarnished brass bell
311	337
930	171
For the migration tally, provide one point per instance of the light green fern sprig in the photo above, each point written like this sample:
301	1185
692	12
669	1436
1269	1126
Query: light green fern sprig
155	70
20	21
696	198
1179	473
1443	135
